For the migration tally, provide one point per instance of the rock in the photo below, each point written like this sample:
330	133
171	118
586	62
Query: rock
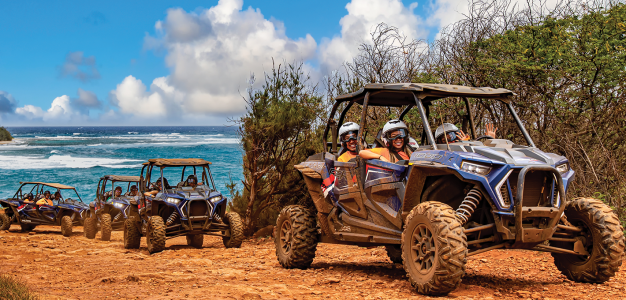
251	295
263	232
32	233
484	260
333	280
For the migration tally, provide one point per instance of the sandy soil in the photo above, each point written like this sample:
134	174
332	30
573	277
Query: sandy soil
57	267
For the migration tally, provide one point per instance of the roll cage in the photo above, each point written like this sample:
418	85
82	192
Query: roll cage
194	164
115	179
410	95
38	188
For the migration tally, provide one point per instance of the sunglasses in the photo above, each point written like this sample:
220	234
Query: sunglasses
351	135
401	134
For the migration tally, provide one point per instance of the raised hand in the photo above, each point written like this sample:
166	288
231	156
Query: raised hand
490	130
463	136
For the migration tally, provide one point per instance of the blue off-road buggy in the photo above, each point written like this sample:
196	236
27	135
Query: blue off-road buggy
192	207
67	210
452	200
112	205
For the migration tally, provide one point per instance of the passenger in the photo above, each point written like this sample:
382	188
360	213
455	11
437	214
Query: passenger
396	137
133	191
57	196
117	192
348	133
454	135
46	199
29	198
157	188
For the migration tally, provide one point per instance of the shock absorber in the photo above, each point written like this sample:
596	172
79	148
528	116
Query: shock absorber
173	217
469	205
117	217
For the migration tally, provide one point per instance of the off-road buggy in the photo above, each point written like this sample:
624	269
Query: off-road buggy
109	211
65	212
181	209
449	201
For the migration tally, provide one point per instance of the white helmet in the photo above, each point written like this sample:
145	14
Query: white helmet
347	127
448	128
391	126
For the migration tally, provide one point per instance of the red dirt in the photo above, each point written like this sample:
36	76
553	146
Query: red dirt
77	268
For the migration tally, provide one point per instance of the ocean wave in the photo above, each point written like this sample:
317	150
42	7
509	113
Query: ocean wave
54	151
133	132
63	162
77	133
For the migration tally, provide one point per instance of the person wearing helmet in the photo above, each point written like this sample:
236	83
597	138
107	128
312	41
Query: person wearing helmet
29	198
348	133
46	199
116	194
395	135
133	191
453	134
192	182
157	188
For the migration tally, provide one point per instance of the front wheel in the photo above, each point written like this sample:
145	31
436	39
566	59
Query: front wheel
90	227
132	237
66	226
296	237
603	238
155	235
195	240
5	221
434	249
234	236
105	227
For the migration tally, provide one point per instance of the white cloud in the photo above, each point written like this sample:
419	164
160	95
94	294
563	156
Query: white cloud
62	111
362	18
211	54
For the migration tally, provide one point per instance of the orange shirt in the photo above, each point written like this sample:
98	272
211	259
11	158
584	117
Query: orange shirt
346	156
385	152
44	201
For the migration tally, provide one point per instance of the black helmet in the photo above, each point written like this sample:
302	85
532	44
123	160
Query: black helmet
30	196
46	193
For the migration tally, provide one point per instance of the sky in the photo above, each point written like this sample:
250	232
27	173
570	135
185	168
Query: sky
65	63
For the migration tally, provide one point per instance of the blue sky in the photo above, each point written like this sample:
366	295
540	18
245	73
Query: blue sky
76	53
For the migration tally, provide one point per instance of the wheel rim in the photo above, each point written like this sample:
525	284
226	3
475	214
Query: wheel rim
587	238
423	248
286	236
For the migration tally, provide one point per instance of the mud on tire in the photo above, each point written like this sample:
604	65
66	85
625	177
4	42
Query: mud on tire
606	246
66	226
434	249
195	240
233	220
90	228
105	227
132	237
5	221
395	253
155	235
296	237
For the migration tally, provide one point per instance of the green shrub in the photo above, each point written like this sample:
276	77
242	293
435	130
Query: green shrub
5	135
14	289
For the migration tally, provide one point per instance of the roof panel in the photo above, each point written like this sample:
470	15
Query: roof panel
399	94
54	185
178	162
122	178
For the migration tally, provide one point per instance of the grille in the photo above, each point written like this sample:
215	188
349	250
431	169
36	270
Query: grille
198	208
538	188
504	191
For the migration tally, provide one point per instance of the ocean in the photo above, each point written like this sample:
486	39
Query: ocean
79	156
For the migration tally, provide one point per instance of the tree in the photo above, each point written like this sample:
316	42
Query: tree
278	131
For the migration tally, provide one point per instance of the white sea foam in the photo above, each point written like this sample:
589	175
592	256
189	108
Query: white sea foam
62	162
54	151
133	132
77	133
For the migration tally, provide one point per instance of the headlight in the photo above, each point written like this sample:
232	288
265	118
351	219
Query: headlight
562	168
475	168
118	205
173	200
215	199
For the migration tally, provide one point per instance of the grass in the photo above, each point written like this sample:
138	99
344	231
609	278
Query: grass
14	289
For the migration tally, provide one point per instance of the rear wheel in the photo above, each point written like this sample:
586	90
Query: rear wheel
105	227
602	237
395	253
195	240
234	234
296	237
155	235
434	248
66	226
132	237
90	227
5	221
27	227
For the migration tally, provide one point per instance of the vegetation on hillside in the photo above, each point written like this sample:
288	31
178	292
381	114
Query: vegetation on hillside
5	135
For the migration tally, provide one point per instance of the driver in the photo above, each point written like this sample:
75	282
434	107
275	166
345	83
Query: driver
133	191
29	198
157	188
192	182
348	133
453	134
396	139
117	192
45	200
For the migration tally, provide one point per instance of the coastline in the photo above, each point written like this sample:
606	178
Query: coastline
8	142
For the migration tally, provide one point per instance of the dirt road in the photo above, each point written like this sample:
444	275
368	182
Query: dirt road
57	267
